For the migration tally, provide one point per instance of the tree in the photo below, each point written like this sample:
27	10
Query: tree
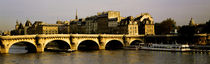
166	26
157	28
200	28
186	34
187	30
207	26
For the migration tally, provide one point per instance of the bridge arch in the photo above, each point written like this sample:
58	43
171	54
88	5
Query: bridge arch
88	45
57	45
114	44
29	46
135	42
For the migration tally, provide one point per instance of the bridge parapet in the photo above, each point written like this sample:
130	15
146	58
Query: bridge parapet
134	35
53	35
84	35
111	35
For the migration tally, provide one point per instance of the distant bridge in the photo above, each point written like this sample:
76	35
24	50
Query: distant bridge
38	43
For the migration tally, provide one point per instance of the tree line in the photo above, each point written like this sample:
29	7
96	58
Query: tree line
185	33
168	26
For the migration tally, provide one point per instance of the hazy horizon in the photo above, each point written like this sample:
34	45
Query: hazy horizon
50	11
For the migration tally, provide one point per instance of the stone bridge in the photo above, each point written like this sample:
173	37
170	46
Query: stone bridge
38	43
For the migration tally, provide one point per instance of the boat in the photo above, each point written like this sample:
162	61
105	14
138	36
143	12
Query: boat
58	50
200	48
166	47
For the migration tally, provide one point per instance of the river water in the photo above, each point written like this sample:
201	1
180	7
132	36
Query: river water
107	57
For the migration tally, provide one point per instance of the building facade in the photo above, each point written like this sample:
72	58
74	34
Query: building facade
40	27
146	24
133	28
109	22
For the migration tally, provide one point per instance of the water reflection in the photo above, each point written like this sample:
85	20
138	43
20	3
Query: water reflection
17	49
107	57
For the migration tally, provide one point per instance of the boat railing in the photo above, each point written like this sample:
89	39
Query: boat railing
168	46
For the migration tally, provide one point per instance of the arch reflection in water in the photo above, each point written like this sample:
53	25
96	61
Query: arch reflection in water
114	44
22	47
57	46
88	45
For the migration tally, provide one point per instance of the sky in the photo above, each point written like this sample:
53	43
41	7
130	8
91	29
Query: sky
49	11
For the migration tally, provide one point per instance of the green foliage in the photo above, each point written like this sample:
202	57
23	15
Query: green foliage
157	28
200	28
207	26
187	31
186	34
165	27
